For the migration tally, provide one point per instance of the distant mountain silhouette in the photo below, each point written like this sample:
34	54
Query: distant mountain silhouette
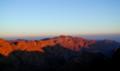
62	53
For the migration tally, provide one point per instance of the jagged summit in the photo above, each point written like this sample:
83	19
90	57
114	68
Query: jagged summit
69	42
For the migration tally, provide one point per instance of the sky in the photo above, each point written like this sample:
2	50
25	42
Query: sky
56	17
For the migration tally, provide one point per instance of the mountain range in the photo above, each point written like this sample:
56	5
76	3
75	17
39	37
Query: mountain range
69	42
64	53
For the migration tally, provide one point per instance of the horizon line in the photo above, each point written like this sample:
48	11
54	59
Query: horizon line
43	35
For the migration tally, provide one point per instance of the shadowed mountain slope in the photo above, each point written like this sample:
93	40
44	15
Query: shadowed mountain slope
62	53
69	42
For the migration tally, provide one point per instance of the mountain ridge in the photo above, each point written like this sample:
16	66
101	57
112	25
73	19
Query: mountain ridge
69	42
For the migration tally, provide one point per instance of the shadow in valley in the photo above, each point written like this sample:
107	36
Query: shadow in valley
58	58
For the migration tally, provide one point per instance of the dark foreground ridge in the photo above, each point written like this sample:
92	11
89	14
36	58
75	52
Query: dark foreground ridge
62	53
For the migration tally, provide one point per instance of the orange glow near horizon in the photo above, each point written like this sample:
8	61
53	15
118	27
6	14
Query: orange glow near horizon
36	35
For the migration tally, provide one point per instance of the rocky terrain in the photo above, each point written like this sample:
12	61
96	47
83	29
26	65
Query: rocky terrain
58	53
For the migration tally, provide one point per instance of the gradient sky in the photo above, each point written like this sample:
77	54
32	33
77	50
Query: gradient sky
53	17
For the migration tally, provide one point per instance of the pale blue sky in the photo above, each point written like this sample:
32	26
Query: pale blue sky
54	17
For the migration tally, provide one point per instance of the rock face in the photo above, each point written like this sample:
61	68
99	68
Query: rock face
62	53
5	47
69	42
